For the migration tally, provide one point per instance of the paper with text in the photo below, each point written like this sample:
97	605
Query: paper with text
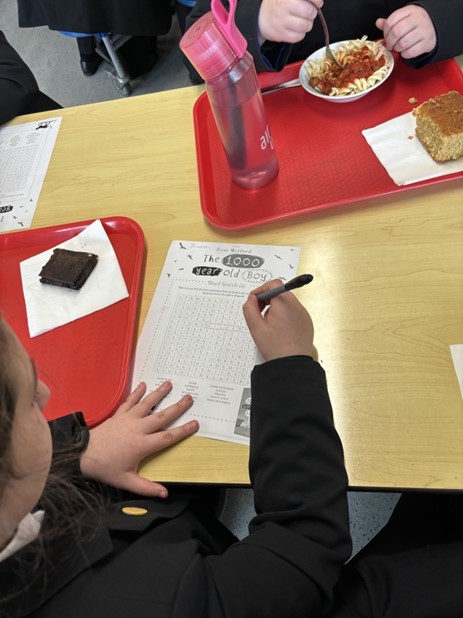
25	151
195	334
456	351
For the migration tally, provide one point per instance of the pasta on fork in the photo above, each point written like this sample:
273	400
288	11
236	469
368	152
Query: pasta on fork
364	64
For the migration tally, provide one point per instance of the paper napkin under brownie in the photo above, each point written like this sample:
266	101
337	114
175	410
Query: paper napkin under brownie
50	306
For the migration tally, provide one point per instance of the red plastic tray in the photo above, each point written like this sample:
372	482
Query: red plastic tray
324	159
86	363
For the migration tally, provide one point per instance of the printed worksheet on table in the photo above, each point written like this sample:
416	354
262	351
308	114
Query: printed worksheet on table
195	334
25	152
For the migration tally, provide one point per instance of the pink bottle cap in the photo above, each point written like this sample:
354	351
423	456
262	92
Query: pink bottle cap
206	48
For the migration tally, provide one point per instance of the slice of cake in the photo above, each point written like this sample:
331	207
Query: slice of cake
439	126
68	269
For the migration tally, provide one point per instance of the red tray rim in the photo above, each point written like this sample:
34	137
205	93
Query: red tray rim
291	71
14	238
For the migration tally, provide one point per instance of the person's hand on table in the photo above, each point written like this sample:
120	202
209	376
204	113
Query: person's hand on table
286	21
284	329
119	444
408	31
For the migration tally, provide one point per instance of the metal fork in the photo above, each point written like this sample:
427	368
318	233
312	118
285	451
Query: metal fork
290	84
329	53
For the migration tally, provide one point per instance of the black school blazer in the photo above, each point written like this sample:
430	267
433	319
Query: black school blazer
179	562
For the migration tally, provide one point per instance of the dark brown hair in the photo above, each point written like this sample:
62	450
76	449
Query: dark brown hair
73	506
8	399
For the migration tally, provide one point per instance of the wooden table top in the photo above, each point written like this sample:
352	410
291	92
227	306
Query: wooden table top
389	303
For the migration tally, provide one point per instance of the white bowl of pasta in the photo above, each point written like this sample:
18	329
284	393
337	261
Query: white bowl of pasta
366	65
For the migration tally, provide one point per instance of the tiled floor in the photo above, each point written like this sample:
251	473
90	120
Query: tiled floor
54	60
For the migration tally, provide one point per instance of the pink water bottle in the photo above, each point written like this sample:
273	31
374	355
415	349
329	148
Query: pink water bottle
217	50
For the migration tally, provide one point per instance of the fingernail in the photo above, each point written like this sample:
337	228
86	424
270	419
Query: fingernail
187	398
163	494
165	385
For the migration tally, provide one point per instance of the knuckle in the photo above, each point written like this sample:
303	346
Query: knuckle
168	437
162	416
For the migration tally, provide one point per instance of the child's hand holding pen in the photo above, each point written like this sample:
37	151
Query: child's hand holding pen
297	282
286	329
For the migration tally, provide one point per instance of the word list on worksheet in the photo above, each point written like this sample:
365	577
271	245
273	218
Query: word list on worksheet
195	334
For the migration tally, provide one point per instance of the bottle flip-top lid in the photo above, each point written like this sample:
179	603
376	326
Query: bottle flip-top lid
227	25
213	43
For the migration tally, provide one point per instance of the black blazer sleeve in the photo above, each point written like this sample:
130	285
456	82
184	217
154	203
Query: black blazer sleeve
290	561
18	88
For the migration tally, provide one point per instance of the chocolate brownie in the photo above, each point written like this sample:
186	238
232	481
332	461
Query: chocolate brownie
68	269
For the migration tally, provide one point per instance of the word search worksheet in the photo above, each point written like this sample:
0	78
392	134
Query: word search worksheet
25	152
195	334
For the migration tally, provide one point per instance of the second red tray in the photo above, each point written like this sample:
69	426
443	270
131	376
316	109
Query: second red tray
324	159
86	363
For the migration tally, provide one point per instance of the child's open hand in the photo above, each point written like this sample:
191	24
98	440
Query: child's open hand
120	443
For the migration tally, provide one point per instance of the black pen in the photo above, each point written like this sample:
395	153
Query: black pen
297	282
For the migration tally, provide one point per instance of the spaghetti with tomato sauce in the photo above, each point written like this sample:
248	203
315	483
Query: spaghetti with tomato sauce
359	64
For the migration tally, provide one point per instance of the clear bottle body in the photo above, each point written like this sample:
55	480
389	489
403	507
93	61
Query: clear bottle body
239	112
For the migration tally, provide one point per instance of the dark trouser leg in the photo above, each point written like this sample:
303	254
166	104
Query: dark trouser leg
413	568
182	13
139	54
419	520
89	59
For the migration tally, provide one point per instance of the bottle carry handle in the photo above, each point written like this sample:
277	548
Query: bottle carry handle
226	22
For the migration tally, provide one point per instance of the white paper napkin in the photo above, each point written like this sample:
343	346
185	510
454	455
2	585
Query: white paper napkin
401	153
49	306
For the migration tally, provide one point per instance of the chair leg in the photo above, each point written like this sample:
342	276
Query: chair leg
121	78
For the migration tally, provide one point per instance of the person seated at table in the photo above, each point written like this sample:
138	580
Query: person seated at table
19	91
414	565
67	550
280	32
144	20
